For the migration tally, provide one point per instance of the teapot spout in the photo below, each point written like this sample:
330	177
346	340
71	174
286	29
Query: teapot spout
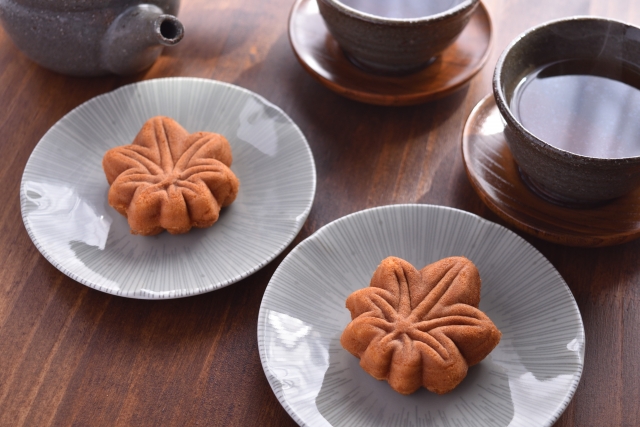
136	37
168	30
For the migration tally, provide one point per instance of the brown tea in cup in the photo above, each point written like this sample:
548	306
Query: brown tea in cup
402	9
588	107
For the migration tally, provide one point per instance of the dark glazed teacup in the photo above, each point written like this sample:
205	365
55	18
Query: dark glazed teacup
394	45
560	176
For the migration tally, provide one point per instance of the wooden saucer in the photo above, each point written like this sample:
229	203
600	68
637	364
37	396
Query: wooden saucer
495	177
320	55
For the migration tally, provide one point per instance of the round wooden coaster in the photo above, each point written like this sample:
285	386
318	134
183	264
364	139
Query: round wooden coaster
495	177
322	57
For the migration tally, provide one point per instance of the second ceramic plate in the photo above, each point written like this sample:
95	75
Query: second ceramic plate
64	191
528	379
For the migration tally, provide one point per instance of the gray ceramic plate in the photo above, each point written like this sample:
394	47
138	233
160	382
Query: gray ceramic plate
64	191
528	380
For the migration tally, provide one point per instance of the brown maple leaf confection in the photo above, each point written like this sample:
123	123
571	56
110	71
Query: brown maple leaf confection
168	179
420	328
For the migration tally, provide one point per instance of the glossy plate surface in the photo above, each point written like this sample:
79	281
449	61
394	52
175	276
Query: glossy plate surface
64	191
495	177
320	56
529	378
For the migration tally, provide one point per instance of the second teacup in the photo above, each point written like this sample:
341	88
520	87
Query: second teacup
569	92
395	36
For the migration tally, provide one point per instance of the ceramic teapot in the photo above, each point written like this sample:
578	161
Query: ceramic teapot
92	37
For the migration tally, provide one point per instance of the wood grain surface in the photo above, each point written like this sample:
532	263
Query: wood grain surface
70	355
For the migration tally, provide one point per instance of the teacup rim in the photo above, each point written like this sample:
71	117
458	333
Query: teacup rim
510	118
459	8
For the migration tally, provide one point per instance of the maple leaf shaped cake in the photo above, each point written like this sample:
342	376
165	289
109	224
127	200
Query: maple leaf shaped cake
420	328
168	179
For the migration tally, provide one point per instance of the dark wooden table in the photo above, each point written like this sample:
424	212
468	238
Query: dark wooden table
70	355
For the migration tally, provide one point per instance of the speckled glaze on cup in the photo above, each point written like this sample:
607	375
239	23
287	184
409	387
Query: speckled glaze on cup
394	45
560	176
